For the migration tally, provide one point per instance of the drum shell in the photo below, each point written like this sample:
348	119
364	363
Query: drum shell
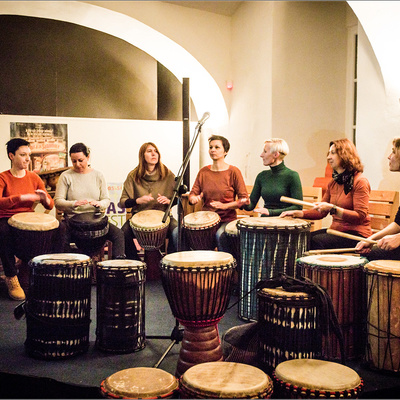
265	252
120	307
88	231
58	308
288	327
345	286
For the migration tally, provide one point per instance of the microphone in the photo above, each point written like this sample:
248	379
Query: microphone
203	119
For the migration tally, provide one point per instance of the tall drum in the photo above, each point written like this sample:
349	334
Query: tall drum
58	306
383	314
342	277
197	286
200	228
269	246
33	234
120	306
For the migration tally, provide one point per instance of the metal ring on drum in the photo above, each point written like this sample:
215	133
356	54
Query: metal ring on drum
342	277
269	246
197	286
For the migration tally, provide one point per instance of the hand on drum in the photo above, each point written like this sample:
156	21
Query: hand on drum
363	247
262	210
292	213
81	202
144	199
162	199
218	205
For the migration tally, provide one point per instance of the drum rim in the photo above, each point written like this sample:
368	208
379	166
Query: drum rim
197	259
266	292
298	223
160	226
63	259
48	223
190	225
120	264
372	268
304	260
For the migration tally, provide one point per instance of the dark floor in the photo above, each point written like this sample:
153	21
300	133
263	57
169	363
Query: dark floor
22	376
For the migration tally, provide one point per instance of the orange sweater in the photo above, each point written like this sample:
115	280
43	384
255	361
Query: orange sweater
11	189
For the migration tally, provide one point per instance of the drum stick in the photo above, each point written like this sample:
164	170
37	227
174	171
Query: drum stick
348	236
327	251
285	199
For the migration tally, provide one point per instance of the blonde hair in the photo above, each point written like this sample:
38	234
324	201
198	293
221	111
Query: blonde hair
278	145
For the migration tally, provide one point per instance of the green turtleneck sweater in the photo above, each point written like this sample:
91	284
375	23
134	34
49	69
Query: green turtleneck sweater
271	185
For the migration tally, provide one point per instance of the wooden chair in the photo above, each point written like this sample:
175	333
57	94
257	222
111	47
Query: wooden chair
383	206
313	194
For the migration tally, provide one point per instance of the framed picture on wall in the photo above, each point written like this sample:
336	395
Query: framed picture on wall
48	144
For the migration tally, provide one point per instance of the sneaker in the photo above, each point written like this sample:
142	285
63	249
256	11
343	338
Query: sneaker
15	291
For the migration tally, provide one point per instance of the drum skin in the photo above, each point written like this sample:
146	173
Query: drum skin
342	276
58	306
316	379
120	306
225	380
140	383
383	315
33	233
268	246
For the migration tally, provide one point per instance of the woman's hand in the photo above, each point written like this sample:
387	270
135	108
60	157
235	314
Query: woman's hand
218	205
389	242
363	247
322	206
292	213
163	199
144	199
195	199
261	210
81	202
94	203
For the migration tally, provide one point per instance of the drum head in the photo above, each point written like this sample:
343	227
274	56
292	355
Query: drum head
231	228
140	383
197	258
33	221
88	219
201	219
61	258
121	264
333	260
383	266
317	374
272	222
226	380
149	219
279	292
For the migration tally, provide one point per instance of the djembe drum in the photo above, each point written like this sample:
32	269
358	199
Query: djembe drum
197	286
120	306
58	306
33	233
150	232
140	383
200	228
225	380
88	231
316	379
383	314
268	246
342	277
287	327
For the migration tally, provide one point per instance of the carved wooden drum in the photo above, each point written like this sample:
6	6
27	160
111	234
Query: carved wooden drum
200	228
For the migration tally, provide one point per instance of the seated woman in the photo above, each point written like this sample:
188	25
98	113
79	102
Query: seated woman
83	189
278	181
222	188
346	199
149	186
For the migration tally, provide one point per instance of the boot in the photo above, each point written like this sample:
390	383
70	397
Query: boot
14	289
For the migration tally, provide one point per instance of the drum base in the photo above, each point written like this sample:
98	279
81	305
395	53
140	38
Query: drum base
199	345
152	259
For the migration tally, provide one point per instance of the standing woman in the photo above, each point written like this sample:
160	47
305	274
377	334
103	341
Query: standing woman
346	199
278	181
221	186
83	189
150	186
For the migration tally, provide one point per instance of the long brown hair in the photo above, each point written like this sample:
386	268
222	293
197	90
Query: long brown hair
348	154
140	170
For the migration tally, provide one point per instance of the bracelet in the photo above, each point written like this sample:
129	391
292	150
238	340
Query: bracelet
333	210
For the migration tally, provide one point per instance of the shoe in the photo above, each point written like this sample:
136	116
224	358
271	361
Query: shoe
15	290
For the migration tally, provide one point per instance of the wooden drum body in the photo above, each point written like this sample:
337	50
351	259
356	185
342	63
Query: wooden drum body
197	285
120	306
225	380
33	234
383	314
268	246
200	228
316	379
58	306
342	277
140	383
88	231
288	327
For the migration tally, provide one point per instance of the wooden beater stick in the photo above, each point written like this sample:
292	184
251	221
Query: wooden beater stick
348	236
285	199
327	251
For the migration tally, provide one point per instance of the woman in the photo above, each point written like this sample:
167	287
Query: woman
346	199
221	186
83	189
150	186
278	181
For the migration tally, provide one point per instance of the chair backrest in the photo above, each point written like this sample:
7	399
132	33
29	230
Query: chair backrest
383	206
313	194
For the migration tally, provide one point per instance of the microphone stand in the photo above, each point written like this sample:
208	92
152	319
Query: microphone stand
179	189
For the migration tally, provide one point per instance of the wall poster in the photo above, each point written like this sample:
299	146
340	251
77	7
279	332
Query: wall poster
48	143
